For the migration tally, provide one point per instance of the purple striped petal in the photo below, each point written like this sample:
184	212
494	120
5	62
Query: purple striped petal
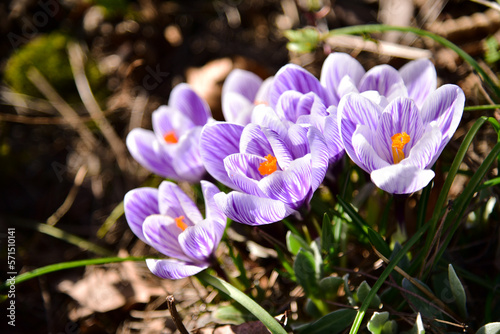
420	79
384	79
426	150
354	110
199	242
171	269
401	179
212	212
175	203
254	141
332	135
444	106
187	161
147	151
252	210
185	99
263	92
319	157
266	117
162	234
218	140
139	204
362	142
243	169
242	82
290	186
280	148
166	119
401	115
294	77
335	68
297	138
236	108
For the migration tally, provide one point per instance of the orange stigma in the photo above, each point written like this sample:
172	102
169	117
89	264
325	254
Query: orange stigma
399	140
269	166
170	137
179	221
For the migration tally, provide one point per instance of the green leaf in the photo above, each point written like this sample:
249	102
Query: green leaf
244	300
491	328
332	323
418	328
363	291
390	327
330	286
292	243
231	314
327	236
421	305
305	272
458	291
377	321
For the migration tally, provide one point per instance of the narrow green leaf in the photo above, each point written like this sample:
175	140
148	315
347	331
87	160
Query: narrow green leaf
458	291
363	291
376	323
230	314
244	300
332	323
491	328
306	274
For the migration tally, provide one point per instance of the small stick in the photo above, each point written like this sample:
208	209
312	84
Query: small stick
175	316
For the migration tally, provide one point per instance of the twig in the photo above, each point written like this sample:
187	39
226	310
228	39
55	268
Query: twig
381	47
490	4
61	211
62	107
82	84
137	111
175	316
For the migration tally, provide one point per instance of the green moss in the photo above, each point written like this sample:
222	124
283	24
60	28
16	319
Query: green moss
48	53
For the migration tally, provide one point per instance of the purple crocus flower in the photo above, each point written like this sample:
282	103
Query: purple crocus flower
169	221
274	169
342	74
399	143
171	149
241	92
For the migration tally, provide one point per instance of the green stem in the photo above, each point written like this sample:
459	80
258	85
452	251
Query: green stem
483	107
244	300
371	28
67	265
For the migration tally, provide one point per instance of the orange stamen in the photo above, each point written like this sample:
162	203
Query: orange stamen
269	166
399	140
179	221
170	137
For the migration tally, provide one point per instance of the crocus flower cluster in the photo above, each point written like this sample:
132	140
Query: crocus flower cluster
279	139
169	221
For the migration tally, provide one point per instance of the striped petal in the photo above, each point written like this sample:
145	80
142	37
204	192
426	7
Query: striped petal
139	204
162	234
149	153
252	210
185	99
217	141
175	203
337	66
384	79
401	179
171	269
187	161
420	79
